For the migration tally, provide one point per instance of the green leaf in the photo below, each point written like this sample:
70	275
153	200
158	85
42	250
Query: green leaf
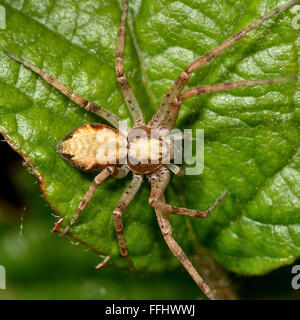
252	134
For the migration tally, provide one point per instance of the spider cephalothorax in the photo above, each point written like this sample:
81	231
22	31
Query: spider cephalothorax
144	149
147	149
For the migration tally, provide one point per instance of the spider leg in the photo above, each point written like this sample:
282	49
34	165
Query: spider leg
184	77
122	205
103	175
102	264
175	169
192	92
127	92
172	113
158	186
169	209
88	105
121	172
161	182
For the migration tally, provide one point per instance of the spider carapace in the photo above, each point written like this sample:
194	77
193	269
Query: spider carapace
105	149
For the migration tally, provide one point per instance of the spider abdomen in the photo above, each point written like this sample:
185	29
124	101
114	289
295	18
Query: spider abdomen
92	147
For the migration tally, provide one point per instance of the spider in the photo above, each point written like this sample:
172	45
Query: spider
84	147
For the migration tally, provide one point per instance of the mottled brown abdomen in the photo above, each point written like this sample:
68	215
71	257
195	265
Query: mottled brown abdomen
92	147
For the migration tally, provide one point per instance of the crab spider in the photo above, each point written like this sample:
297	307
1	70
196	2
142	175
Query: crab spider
86	146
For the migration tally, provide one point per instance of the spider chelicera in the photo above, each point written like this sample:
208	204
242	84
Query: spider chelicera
85	149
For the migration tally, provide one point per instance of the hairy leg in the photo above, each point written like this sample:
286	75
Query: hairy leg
128	94
172	113
88	105
122	205
103	175
158	185
184	77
